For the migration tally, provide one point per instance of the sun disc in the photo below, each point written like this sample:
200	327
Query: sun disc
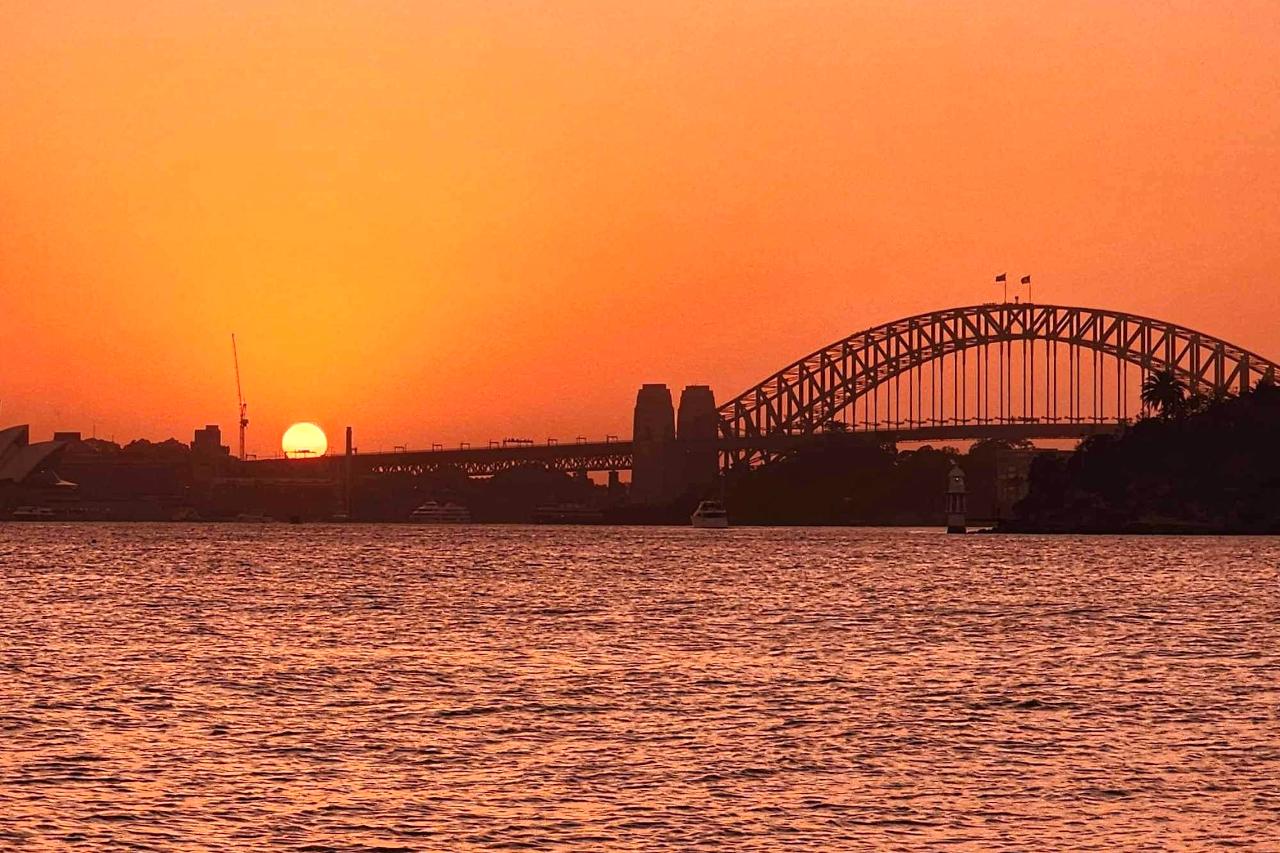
304	441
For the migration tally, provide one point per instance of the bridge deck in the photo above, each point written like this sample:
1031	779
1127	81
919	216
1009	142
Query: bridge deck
617	455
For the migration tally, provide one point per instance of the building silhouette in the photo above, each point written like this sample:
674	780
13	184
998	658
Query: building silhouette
208	442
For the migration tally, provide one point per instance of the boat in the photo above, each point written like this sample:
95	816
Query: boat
34	513
433	512
567	513
711	514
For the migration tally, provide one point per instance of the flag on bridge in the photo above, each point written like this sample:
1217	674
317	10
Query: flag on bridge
1026	279
1001	278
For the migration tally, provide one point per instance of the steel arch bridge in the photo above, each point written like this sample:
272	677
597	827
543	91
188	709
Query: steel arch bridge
991	367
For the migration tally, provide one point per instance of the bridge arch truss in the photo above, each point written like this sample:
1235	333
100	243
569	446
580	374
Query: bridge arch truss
991	364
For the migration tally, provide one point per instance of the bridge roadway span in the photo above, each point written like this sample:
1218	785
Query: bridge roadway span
617	455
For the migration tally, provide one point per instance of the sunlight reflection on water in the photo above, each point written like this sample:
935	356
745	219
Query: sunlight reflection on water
430	688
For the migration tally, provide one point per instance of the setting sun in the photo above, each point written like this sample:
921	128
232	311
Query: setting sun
304	440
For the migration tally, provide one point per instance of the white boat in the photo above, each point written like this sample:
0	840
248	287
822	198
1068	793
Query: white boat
710	514
433	512
33	513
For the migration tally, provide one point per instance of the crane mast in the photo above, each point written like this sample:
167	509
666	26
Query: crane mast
244	407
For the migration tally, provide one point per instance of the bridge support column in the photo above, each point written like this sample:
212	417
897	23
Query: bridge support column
655	462
697	429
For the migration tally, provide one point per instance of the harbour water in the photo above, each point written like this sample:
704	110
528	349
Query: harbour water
586	688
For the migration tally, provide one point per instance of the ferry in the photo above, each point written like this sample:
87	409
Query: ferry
34	513
433	512
710	514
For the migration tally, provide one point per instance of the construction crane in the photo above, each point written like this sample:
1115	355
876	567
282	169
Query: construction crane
244	407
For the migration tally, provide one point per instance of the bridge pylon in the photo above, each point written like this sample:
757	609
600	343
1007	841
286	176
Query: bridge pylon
697	431
655	463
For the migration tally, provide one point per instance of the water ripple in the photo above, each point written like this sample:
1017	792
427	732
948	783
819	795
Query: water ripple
396	688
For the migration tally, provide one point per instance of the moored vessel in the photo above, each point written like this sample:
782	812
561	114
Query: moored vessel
434	512
34	513
710	514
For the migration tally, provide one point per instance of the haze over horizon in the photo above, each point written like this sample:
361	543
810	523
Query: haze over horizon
461	221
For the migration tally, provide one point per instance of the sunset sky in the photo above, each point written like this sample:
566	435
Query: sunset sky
461	221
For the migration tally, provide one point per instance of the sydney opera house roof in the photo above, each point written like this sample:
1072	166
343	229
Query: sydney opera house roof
21	461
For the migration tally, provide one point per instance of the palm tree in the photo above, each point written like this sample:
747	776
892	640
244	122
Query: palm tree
1164	392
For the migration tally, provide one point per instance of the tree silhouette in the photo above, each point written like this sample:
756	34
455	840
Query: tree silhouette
1210	469
1164	392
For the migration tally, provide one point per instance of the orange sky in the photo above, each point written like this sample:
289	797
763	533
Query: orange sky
471	220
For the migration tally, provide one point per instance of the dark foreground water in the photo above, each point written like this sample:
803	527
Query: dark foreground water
417	688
